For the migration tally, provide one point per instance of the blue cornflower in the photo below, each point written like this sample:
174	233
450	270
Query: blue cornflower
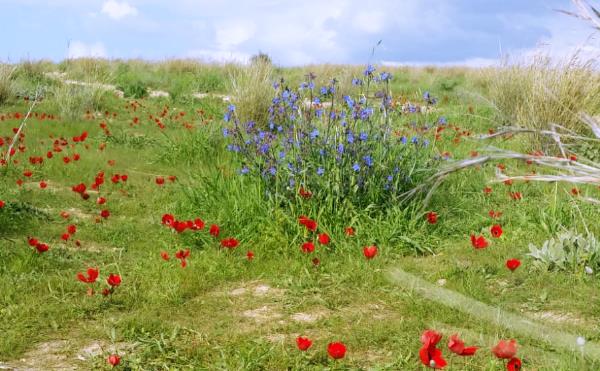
281	154
350	137
264	148
366	113
340	148
318	112
322	152
357	82
414	140
403	140
314	134
349	101
369	70
316	100
363	136
368	160
244	170
311	85
261	135
385	76
275	85
425	142
227	116
356	167
225	132
280	128
442	120
324	90
292	182
231	108
272	170
320	171
390	178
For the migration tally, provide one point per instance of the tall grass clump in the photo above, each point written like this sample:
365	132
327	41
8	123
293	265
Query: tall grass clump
252	92
346	154
73	100
542	92
6	82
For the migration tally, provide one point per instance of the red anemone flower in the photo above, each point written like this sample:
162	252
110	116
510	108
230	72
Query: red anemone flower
71	229
370	251
505	349
101	201
65	236
429	354
114	280
514	364
432	217
42	247
168	219
349	231
43	184
310	224
324	239
303	343
479	242
164	255
2	204
92	275
105	214
496	230
114	360
249	255
214	230
513	264
308	247
336	350
160	180
457	346
230	243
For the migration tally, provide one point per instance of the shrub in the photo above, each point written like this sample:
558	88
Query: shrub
569	251
348	153
73	100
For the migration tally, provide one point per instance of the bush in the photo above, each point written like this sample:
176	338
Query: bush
343	154
72	100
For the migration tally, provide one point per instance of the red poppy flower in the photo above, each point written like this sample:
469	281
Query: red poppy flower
65	236
304	193
324	239
101	200
42	247
72	229
43	184
508	182
349	231
230	243
308	247
487	190
92	275
496	230
336	350
575	191
66	160
105	214
249	255
49	154
160	180
172	178
513	264
2	204
516	195
429	354
124	177
164	255
183	254
310	224
370	251
514	364
432	217
479	242
32	241
115	178
198	224
76	157
27	173
495	214
79	188
179	226
457	346
168	219
505	349
303	343
214	230
113	280
114	360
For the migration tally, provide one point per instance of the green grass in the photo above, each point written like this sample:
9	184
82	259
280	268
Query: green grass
200	318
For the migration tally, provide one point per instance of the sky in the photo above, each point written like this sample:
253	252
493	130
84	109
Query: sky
293	32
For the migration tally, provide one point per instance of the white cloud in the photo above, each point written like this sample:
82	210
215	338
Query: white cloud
370	21
470	62
118	10
234	33
78	49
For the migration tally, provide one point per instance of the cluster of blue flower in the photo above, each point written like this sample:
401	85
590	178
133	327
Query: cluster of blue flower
335	146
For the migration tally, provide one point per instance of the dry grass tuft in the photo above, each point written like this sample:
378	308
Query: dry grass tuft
252	92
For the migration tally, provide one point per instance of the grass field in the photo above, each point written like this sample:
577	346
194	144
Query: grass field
226	311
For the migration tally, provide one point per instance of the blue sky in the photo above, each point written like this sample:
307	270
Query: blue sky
443	32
